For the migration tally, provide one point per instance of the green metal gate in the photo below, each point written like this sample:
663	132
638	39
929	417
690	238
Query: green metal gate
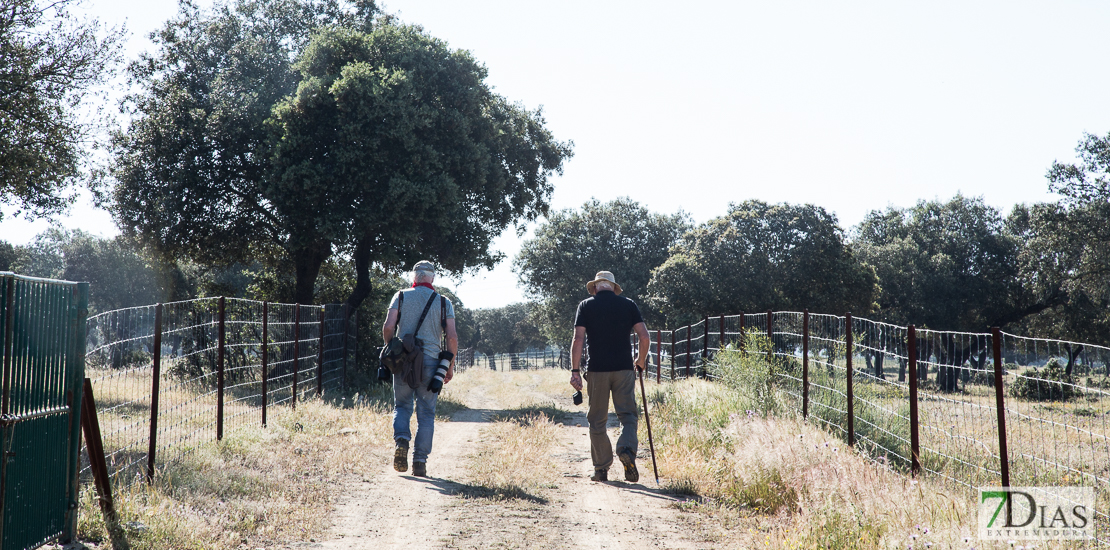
42	329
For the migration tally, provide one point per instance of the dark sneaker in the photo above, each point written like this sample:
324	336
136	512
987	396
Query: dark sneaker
600	475
629	461
420	469
401	456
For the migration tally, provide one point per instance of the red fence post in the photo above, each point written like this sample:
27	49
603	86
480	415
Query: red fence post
848	366
296	349
1004	456
154	389
915	446
805	363
265	357
220	373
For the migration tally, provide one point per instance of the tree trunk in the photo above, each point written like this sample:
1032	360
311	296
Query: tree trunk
307	261
363	285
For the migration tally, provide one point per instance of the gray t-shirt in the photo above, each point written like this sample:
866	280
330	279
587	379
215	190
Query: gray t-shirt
431	332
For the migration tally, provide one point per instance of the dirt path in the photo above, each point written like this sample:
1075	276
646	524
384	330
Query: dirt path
391	510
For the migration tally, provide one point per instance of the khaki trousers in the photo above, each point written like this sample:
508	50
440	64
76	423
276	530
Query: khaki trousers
622	385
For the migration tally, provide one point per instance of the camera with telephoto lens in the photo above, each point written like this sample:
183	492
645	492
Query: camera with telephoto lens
445	358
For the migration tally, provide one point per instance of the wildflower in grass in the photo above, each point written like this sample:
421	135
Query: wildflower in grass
967	540
925	530
913	536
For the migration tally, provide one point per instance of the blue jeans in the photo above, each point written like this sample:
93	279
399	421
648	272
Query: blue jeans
403	397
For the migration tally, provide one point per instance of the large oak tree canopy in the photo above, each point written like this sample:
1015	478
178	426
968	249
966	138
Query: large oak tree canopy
351	132
49	63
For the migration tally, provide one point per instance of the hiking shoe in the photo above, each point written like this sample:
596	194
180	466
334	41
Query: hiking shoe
420	469
629	461
600	475
401	456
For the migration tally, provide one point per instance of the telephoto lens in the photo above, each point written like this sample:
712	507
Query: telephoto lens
577	397
445	358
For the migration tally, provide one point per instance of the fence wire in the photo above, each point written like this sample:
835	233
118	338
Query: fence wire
271	355
1056	394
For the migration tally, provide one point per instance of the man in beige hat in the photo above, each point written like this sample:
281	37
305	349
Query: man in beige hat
606	320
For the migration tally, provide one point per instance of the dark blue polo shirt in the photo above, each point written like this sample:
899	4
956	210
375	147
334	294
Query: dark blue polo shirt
608	320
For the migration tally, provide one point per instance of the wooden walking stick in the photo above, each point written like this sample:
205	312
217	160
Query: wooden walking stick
651	444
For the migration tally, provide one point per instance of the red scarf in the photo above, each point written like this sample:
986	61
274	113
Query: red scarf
429	285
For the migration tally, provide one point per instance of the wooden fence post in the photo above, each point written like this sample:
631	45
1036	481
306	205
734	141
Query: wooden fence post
848	367
152	448
97	463
915	446
220	372
1004	456
265	357
805	363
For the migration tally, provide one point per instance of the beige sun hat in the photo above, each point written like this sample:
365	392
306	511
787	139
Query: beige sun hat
607	276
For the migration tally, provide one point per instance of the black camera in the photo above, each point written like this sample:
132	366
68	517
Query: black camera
384	374
445	358
577	397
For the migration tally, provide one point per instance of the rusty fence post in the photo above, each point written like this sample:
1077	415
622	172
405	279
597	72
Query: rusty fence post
220	370
805	363
689	347
770	333
674	373
154	389
320	348
296	349
705	339
1004	456
265	358
741	331
915	444
848	368
658	356
721	330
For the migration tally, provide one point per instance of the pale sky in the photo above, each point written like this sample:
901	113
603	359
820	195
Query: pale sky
852	106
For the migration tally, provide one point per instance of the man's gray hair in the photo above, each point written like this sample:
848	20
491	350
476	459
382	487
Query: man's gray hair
603	285
422	276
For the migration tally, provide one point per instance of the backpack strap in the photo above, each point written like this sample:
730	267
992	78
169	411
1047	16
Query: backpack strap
443	321
427	306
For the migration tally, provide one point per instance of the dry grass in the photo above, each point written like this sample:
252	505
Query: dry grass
809	491
263	487
513	460
508	389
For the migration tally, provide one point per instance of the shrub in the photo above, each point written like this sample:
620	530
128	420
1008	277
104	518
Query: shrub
1048	384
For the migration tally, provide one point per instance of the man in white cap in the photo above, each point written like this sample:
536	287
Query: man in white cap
606	320
436	317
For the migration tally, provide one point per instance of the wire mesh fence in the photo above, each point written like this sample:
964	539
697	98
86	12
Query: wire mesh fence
921	400
169	376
